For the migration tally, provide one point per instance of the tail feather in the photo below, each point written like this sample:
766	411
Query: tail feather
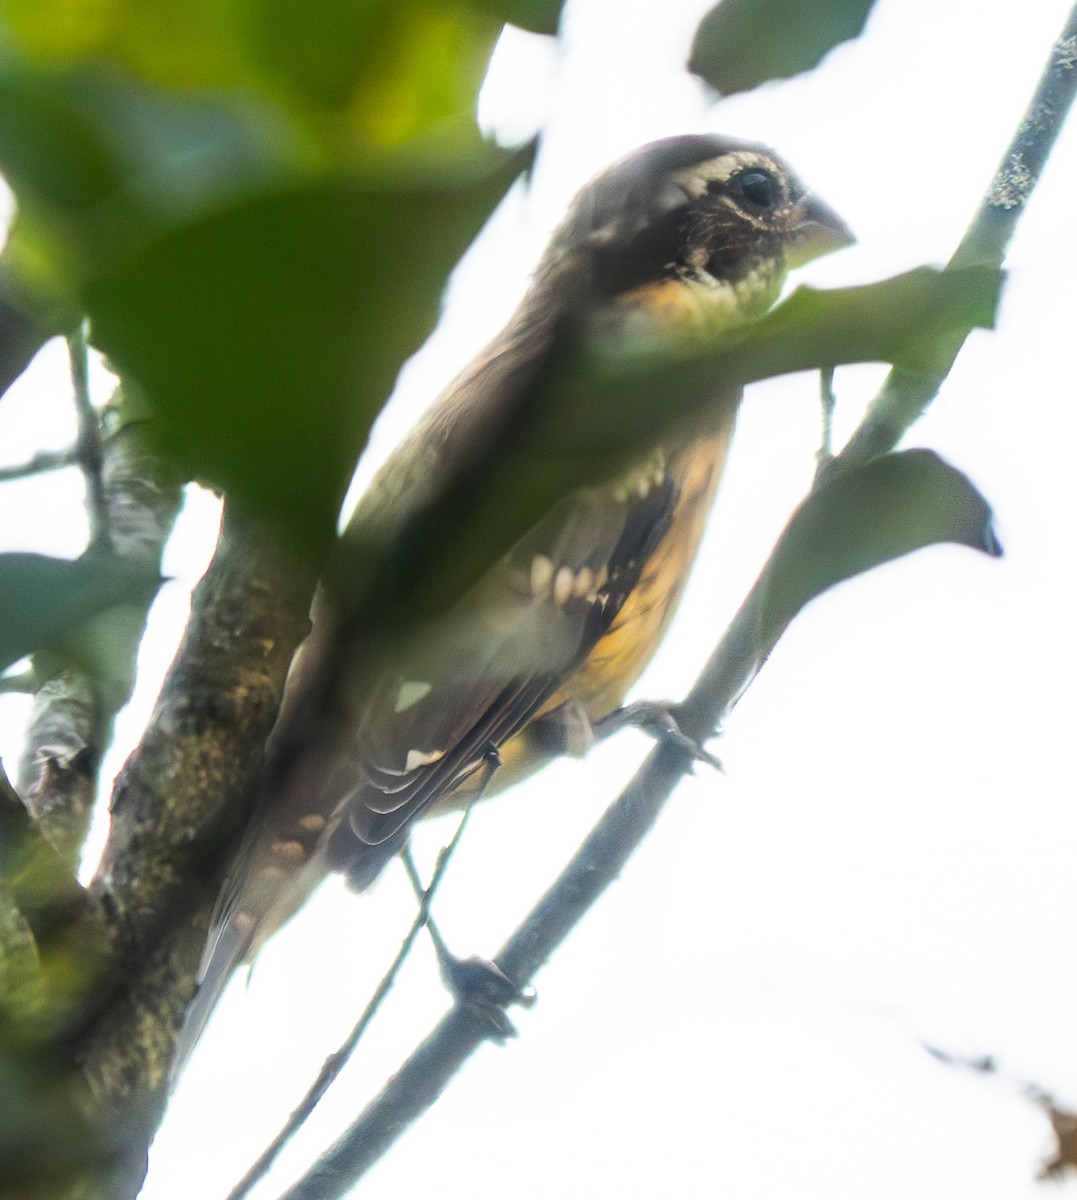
255	903
227	949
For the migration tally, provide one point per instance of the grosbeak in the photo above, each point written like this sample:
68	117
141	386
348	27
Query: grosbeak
682	239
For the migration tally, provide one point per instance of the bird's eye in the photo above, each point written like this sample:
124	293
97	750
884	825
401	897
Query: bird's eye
759	188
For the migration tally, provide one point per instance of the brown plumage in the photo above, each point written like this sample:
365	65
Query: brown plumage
681	239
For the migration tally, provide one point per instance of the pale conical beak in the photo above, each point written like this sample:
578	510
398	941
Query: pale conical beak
819	231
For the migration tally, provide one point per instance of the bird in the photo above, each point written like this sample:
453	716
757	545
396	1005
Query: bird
678	241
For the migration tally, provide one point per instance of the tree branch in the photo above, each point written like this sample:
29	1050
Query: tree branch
41	903
178	810
58	772
905	395
133	500
89	452
45	460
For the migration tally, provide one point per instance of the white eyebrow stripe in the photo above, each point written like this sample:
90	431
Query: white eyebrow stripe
694	180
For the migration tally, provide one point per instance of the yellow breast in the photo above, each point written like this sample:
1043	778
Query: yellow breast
599	685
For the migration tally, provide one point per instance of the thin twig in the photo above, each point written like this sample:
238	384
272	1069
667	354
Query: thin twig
421	893
333	1065
44	460
732	667
72	715
23	684
88	449
827	403
131	500
904	394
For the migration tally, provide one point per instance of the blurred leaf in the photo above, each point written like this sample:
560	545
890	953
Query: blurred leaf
742	43
422	72
539	16
295	180
382	71
905	320
267	336
45	600
49	951
173	43
50	150
321	60
46	1146
105	647
863	518
99	164
591	410
321	48
27	321
33	877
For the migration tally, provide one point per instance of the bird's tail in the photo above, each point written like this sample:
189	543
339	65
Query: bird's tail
229	946
257	900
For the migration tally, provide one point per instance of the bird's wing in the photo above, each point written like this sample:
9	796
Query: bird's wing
471	681
460	689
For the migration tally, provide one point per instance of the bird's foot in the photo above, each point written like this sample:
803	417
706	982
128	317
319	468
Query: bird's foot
655	717
487	990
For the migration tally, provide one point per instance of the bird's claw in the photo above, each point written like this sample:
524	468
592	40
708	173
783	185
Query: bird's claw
656	718
487	990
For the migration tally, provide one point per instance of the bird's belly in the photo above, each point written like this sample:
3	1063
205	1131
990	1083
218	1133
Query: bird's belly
620	656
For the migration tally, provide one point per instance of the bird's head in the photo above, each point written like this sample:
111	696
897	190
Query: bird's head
689	232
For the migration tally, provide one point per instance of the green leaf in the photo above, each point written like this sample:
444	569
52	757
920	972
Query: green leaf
870	516
592	409
606	403
267	336
51	152
423	74
538	16
121	124
341	70
322	49
742	43
375	73
46	1145
47	601
174	43
100	163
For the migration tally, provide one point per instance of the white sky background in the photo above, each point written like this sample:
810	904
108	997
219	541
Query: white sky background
890	856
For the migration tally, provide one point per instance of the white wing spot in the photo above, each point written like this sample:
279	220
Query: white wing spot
411	691
562	586
541	576
421	758
244	922
584	585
